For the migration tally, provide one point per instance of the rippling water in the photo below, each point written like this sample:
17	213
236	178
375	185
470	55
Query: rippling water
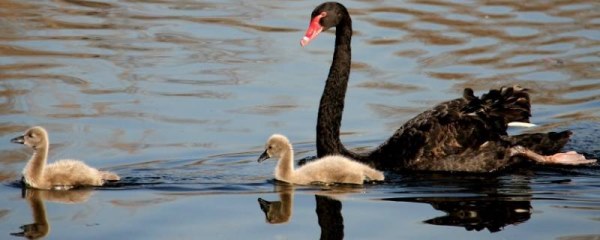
179	96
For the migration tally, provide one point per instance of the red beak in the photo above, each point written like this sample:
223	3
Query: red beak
314	28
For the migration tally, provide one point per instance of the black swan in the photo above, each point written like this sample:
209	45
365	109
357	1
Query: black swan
467	134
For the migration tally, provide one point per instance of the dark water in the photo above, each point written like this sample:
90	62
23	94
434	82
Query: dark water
178	97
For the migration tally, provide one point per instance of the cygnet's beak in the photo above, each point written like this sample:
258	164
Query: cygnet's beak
263	156
19	140
264	205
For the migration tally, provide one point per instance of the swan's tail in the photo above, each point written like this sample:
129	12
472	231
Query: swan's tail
109	176
373	175
504	105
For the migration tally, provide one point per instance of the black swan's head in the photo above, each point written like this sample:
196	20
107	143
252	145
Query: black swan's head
325	16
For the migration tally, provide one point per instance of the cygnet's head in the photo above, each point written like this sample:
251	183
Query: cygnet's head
275	146
34	137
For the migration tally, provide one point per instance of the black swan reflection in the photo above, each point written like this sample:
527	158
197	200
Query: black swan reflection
467	134
331	221
491	209
477	214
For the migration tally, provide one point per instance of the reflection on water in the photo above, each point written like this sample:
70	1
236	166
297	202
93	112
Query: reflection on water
40	226
279	211
35	198
477	214
178	96
493	209
329	209
331	221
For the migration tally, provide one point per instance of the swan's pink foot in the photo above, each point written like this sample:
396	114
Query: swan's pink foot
568	158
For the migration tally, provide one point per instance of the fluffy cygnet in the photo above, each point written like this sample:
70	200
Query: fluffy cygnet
60	175
329	169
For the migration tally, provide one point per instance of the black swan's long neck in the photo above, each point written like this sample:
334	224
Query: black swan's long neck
331	106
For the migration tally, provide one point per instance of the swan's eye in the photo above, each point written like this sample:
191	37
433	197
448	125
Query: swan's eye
270	147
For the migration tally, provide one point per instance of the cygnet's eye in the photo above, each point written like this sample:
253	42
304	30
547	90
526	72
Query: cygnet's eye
270	147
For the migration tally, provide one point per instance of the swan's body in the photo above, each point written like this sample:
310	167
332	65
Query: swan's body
329	169
466	134
60	175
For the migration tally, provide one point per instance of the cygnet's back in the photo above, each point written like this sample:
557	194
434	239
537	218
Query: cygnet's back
69	172
337	169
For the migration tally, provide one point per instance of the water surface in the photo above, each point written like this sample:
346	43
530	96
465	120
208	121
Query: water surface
178	97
